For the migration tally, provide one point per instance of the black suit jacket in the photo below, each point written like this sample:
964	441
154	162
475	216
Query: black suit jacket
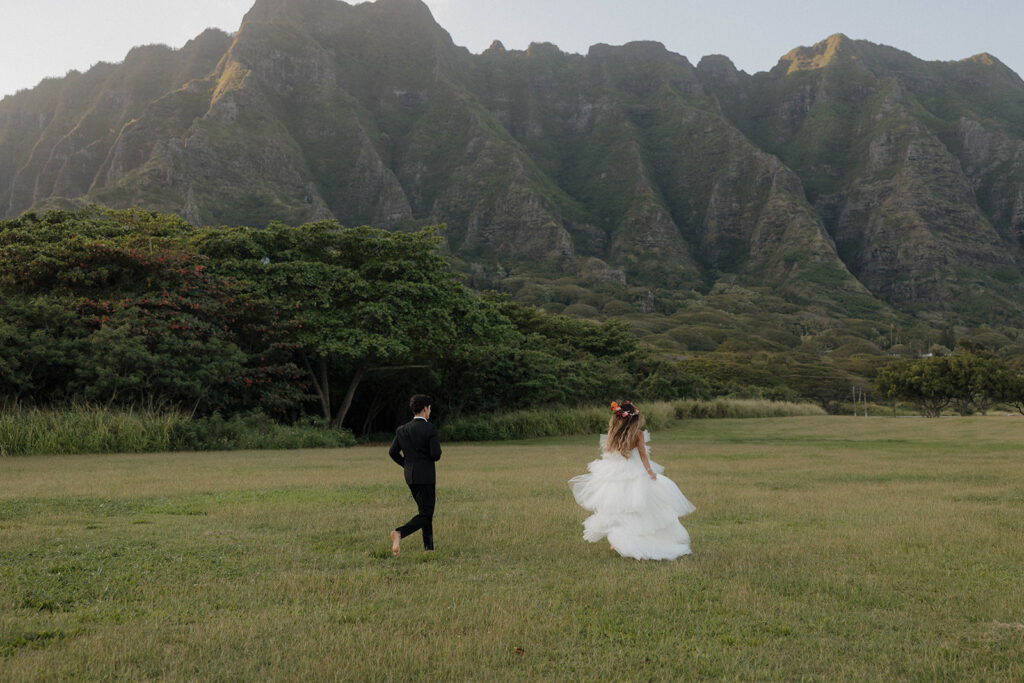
416	448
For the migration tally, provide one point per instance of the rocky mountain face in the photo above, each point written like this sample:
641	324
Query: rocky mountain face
851	177
915	168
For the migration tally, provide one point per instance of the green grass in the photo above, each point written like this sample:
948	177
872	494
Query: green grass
825	548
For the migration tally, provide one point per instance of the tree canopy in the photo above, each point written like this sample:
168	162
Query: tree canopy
130	307
353	300
967	379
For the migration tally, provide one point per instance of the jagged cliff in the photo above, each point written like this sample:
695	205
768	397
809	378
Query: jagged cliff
914	167
850	177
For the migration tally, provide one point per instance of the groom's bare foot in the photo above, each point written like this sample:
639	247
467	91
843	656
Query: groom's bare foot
395	540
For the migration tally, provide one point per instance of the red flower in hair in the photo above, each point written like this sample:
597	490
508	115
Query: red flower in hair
625	410
620	411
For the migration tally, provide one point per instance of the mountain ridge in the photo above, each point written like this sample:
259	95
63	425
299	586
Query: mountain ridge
850	177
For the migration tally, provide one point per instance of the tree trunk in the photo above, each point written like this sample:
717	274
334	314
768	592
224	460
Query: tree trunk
347	403
376	405
320	384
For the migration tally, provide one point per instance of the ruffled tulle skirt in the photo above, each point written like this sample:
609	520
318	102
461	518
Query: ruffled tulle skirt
638	515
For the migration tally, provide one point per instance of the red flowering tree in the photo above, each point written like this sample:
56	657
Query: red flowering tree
116	307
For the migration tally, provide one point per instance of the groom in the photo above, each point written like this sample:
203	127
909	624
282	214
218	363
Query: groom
416	448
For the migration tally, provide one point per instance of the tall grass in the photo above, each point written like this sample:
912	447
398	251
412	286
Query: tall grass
96	429
536	423
742	408
86	429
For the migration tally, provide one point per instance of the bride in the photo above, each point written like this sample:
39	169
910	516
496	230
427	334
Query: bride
633	504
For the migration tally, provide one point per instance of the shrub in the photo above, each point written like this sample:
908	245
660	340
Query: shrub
256	431
692	339
528	424
616	307
581	311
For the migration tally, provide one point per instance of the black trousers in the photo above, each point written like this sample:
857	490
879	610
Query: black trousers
423	494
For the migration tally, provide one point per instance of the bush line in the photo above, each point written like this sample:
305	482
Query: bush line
530	424
85	429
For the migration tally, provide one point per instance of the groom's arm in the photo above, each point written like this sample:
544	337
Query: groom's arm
396	452
434	444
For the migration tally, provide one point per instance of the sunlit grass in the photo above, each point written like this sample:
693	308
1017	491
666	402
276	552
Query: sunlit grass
824	548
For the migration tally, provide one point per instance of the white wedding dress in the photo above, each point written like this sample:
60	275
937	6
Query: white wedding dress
638	515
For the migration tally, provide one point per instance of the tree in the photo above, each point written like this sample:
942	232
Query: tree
1015	391
357	300
967	379
772	375
928	383
542	359
37	347
988	380
663	380
116	307
128	307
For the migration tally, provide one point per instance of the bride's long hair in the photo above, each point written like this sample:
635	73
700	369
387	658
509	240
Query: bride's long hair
624	429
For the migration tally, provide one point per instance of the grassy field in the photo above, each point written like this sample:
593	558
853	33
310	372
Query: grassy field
825	548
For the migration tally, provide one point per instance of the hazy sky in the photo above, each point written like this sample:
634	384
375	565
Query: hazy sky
50	37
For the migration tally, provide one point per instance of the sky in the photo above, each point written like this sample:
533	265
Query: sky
44	38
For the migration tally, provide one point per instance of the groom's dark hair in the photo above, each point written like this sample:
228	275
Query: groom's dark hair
418	402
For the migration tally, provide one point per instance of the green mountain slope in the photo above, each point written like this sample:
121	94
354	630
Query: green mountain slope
913	166
852	181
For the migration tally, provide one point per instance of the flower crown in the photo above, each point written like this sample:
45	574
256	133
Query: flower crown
624	411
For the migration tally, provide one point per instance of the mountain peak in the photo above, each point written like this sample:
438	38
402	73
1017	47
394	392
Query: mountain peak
411	8
270	10
819	55
987	59
988	63
983	58
717	64
266	10
544	50
636	49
